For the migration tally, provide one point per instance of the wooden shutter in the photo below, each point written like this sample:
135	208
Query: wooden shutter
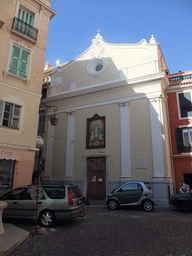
23	63
179	139
41	123
15	116
14	65
27	19
2	106
25	16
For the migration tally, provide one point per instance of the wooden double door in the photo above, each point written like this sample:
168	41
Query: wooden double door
96	178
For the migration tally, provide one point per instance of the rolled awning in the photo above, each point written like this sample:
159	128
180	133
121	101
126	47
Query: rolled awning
9	158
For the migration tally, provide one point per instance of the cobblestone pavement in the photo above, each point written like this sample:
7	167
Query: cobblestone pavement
163	232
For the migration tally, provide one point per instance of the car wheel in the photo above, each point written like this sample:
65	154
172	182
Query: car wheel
46	218
148	206
113	204
184	207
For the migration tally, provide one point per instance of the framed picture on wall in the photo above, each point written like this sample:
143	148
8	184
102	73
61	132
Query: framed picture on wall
95	137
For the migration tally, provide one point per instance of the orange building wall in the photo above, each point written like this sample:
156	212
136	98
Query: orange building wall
182	163
24	162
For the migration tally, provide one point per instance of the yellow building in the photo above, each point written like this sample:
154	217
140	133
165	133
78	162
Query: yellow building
23	31
113	120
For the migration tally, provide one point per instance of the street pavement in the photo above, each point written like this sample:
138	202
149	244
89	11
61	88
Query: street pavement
126	231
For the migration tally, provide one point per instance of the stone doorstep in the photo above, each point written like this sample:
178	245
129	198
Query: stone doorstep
12	237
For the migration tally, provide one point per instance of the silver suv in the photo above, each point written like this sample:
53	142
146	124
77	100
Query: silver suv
55	202
132	193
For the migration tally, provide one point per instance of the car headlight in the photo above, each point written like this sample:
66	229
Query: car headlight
110	194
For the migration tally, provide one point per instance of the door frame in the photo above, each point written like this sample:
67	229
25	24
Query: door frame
99	155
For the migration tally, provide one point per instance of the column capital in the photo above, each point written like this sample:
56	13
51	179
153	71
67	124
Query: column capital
124	179
70	113
157	98
124	104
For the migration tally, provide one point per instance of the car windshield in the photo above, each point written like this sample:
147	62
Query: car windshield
148	185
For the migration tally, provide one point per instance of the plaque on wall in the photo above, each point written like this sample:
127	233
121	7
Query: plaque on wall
95	137
141	163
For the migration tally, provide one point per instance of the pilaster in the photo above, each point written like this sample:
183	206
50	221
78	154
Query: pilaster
125	142
70	145
157	126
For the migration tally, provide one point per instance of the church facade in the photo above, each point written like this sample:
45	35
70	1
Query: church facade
113	120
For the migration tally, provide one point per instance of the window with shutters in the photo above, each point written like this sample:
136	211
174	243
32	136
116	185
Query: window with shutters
185	104
184	139
24	23
25	16
19	62
9	115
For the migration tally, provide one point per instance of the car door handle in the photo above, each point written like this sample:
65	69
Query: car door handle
39	202
14	202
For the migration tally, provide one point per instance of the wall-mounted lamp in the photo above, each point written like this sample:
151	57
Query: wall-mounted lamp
53	119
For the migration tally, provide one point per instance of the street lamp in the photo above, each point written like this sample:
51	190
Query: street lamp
53	119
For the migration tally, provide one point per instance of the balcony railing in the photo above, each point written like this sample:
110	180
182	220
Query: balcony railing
179	78
25	28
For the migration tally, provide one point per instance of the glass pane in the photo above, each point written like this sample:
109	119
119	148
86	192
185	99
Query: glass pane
6	115
186	138
75	192
131	186
7	107
55	192
13	195
5	123
190	136
185	104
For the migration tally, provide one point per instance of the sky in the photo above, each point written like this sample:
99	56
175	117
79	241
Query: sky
122	22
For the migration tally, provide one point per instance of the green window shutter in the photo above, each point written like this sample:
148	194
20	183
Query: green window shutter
25	16
29	18
20	13
14	65
23	64
2	106
41	123
15	117
179	139
19	62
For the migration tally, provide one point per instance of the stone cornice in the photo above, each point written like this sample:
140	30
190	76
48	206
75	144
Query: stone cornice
178	88
53	13
106	86
18	147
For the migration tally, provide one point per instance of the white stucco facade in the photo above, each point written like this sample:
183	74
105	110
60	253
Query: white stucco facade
112	116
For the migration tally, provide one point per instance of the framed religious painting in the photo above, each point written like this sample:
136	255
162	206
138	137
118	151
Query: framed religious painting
95	137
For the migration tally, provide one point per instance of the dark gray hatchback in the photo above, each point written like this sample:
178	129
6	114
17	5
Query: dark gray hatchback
55	202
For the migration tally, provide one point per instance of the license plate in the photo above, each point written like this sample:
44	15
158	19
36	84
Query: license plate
79	202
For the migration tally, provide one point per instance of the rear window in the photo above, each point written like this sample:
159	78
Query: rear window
148	185
55	192
75	192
